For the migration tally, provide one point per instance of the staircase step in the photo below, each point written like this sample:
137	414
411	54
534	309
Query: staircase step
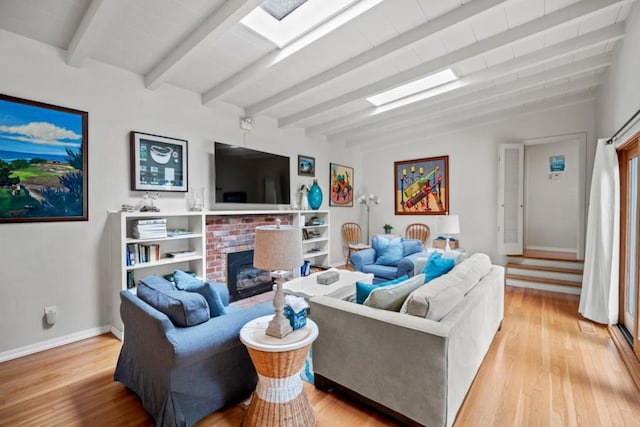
544	280
522	261
551	269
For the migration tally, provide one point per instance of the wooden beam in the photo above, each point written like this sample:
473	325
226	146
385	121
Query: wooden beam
538	57
250	72
472	96
92	21
512	103
403	41
556	19
226	16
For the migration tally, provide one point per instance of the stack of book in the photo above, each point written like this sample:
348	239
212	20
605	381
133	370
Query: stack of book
138	253
152	228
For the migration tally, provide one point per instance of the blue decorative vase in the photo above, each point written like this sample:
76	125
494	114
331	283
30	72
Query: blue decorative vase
315	195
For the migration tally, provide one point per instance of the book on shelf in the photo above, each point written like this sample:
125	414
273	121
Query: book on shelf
181	254
137	253
150	228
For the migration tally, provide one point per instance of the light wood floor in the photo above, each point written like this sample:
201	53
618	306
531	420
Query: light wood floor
547	367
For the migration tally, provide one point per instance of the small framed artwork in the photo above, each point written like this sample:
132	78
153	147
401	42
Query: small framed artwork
306	166
341	185
43	162
158	163
422	186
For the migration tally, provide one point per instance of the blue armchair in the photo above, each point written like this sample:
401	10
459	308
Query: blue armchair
182	374
365	261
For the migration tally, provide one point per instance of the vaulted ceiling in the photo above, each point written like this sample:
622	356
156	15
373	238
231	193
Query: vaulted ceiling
510	56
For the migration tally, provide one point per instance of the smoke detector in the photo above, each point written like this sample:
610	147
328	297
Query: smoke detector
246	123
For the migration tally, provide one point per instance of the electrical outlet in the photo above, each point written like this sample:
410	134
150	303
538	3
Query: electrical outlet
51	314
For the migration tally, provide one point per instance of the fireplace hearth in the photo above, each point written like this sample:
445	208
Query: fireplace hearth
243	279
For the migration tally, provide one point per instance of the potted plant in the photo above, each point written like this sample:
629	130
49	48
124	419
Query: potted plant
387	228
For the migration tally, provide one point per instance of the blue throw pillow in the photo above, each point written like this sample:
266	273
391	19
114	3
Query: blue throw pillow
436	266
388	251
364	289
182	308
187	282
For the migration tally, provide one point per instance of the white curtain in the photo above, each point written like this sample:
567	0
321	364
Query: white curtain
599	298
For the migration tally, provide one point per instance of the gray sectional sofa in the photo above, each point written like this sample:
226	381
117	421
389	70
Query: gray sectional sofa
417	367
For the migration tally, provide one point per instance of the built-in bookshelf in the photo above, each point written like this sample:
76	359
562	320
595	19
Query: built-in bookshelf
315	236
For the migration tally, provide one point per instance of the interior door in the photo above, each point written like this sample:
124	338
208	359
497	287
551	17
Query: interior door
510	198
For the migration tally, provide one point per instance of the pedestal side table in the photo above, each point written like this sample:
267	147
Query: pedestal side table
279	399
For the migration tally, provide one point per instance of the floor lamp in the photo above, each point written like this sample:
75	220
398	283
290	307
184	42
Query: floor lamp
448	225
369	202
278	247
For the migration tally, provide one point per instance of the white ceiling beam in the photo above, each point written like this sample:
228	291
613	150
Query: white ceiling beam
223	18
250	72
538	57
558	18
471	96
404	40
483	119
505	104
92	23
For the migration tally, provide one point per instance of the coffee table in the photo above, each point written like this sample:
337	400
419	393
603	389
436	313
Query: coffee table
308	286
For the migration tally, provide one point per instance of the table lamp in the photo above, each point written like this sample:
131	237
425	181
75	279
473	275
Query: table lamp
278	247
448	225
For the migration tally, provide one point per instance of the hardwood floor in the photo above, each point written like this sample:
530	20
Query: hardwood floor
546	367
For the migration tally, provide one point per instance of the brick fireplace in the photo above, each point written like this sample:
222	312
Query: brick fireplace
230	233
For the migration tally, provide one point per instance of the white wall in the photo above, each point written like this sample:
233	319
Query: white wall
619	96
473	159
67	263
552	205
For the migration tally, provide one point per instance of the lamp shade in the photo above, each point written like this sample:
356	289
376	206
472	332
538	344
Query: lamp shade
278	247
448	224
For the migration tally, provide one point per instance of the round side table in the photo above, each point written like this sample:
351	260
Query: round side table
279	399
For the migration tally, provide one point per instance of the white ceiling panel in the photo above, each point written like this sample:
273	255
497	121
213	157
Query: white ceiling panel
457	36
489	23
432	9
521	11
327	81
498	56
598	21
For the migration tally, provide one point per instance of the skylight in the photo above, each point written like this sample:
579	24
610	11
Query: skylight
306	15
413	88
279	9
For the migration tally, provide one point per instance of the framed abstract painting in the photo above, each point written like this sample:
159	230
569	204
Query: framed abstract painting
341	185
43	162
421	186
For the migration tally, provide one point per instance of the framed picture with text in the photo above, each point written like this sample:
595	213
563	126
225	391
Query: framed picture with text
158	163
43	162
421	186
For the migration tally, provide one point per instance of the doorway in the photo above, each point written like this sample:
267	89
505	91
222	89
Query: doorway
541	196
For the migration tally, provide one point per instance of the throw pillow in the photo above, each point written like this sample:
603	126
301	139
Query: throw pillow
364	289
187	282
391	297
388	251
437	266
182	308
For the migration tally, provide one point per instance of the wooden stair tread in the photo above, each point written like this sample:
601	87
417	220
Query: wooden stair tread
546	258
544	268
544	280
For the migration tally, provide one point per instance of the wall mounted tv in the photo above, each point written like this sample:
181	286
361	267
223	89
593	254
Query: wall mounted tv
243	175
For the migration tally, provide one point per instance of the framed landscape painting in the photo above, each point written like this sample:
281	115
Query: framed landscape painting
341	185
158	163
43	162
422	186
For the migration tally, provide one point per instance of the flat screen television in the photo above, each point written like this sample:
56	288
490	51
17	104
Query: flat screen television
243	175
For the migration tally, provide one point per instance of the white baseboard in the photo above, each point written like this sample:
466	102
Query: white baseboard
542	287
54	342
117	332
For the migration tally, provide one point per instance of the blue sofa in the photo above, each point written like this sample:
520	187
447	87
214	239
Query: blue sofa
182	374
365	261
